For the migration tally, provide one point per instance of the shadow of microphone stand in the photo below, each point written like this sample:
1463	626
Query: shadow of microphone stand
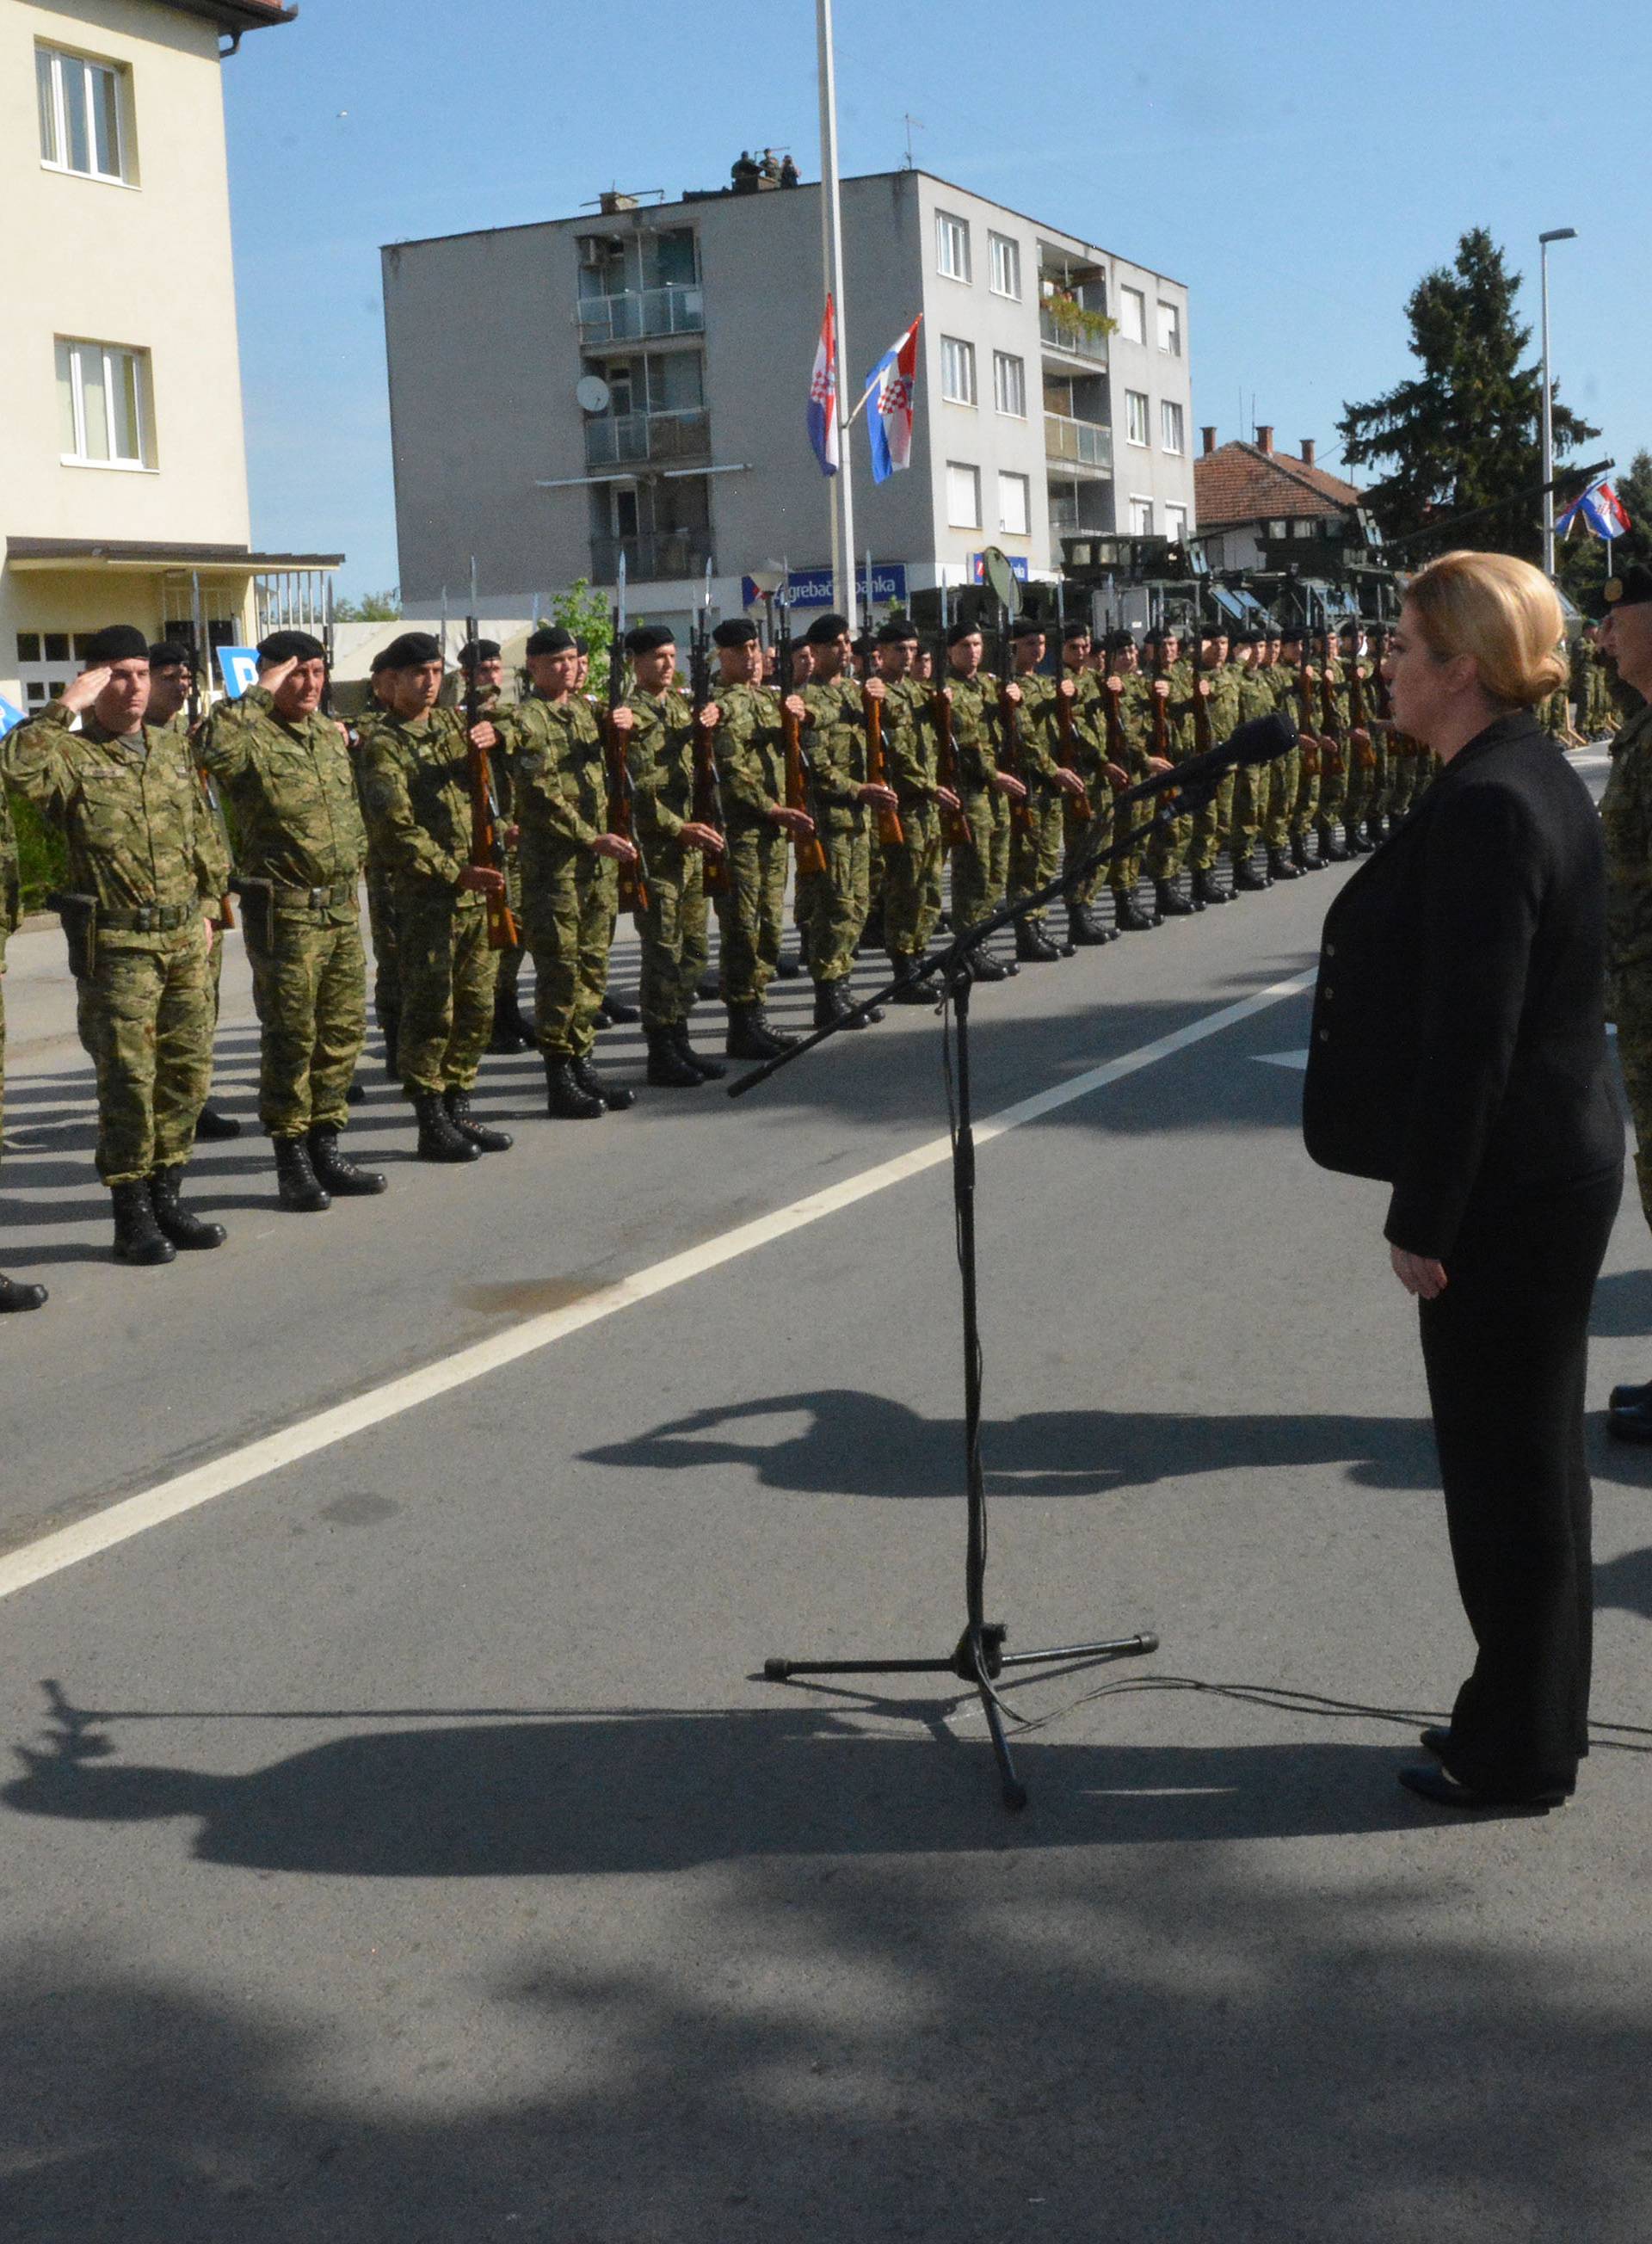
978	1657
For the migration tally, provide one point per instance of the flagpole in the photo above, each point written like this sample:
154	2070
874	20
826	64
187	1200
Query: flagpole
831	232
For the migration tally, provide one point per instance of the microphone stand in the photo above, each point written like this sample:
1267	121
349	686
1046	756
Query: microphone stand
978	1657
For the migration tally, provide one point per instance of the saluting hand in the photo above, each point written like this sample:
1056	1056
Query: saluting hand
273	675
80	692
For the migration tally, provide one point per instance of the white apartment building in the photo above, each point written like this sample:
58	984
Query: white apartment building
634	381
122	473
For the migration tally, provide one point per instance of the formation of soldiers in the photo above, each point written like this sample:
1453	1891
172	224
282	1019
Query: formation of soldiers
862	775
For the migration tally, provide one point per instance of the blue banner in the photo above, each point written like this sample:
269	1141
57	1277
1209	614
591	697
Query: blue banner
812	588
977	566
9	714
238	667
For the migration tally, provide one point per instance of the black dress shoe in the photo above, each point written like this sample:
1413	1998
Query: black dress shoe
1629	1398
1430	1782
17	1296
1631	1424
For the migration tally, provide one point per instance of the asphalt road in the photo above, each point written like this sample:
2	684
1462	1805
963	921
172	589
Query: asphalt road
401	1844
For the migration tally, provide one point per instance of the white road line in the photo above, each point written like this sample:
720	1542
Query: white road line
169	1499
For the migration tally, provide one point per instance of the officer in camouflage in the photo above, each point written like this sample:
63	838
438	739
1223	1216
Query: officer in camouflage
987	791
1170	685
381	884
415	789
14	1294
512	1033
285	770
833	905
1036	844
147	872
750	754
1125	687
913	866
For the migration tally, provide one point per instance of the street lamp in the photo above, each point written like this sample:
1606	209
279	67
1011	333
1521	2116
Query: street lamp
1556	233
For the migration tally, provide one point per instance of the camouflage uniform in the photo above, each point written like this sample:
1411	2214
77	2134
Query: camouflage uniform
141	844
415	786
832	906
1335	779
1087	838
750	754
1136	721
660	758
381	901
1173	840
913	866
1304	810
11	917
1037	827
293	790
508	961
1213	826
569	894
981	865
1625	819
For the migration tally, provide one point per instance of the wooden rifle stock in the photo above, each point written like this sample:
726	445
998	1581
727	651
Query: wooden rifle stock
1328	718
956	830
707	800
1160	707
891	832
1305	717
1075	808
1204	733
633	881
1113	717
808	854
1358	713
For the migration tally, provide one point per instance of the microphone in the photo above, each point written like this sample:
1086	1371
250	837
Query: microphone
1258	740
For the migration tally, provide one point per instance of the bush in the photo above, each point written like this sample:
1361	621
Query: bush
43	856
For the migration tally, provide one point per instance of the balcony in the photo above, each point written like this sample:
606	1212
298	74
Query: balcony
652	557
1072	342
641	312
1080	447
628	440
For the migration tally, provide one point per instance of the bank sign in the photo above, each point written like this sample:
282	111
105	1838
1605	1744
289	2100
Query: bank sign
812	588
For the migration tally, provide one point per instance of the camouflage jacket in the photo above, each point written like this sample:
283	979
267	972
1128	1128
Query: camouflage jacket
293	790
1257	695
415	789
751	756
660	756
1225	682
1089	718
139	837
978	729
1040	731
11	872
1626	820
909	744
559	773
836	742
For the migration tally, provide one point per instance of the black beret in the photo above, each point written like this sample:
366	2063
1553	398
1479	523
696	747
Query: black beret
739	631
1029	627
1290	631
117	643
826	630
291	646
648	638
551	639
963	631
1156	637
581	645
166	652
410	651
1118	642
479	649
1074	627
897	632
1631	588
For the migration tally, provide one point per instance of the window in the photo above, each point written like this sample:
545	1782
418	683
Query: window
1142	518
1176	522
951	247
1170	425
958	371
1006	265
103	401
1135	416
1133	315
963	496
1170	329
1015	494
81	128
1009	384
1304	526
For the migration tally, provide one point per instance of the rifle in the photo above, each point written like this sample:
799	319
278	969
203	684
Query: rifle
1159	705
487	842
1356	711
633	877
809	856
1075	809
1012	760
192	718
707	800
891	832
1328	713
1113	717
956	830
1305	714
1203	735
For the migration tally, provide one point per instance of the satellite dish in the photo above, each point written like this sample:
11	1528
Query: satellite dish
590	392
768	580
1001	579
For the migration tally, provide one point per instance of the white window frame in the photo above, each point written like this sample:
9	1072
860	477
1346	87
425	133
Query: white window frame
1009	379
49	63
1007	528
951	230
959	353
1004	253
1143	528
1172	421
1132	420
69	350
1127	297
955	468
1170	323
1176	521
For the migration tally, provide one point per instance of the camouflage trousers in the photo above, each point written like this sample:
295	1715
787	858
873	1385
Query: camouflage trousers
981	867
1249	817
1035	846
310	993
832	905
1333	788
1284	784
509	959
1631	1008
447	974
387	966
569	900
3	1025
912	882
751	911
1089	837
1210	825
674	947
146	1018
1305	812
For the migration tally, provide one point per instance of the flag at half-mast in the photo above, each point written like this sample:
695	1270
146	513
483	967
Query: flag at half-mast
1601	512
892	387
822	395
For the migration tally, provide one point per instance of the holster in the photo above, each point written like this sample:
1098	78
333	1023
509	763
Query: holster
79	917
258	908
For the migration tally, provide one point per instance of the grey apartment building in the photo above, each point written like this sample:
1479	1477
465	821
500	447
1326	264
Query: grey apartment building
634	381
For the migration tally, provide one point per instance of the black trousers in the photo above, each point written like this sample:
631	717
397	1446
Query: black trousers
1505	1348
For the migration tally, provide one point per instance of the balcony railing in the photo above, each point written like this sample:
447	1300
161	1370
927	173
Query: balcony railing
1073	341
1078	444
627	440
641	312
652	557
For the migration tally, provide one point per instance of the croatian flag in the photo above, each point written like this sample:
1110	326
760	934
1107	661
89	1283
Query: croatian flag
822	395
891	386
1600	512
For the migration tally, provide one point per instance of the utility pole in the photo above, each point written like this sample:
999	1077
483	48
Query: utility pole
842	498
1556	233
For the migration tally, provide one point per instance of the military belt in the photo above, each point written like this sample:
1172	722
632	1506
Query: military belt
151	919
324	899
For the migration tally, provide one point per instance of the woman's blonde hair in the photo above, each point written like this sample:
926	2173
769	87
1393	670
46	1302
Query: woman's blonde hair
1502	612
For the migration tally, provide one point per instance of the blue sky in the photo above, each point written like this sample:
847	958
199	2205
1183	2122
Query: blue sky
1298	166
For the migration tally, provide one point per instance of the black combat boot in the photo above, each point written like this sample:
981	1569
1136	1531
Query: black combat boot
777	1038
1246	879
1208	889
390	1030
746	1038
1303	858
712	1071
667	1069
1083	932
1171	903
1032	945
985	968
1281	866
138	1238
486	1140
920	992
615	1097
15	1295
213	1126
175	1220
709	986
438	1140
789	967
1628	1398
299	1187
621	1015
850	1017
566	1098
1354	837
828	1004
357	1095
336	1173
1330	851
510	1032
1127	915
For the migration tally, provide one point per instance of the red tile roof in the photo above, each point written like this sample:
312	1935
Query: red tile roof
1241	483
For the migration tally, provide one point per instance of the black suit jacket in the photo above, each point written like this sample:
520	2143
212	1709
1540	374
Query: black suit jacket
1459	1042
